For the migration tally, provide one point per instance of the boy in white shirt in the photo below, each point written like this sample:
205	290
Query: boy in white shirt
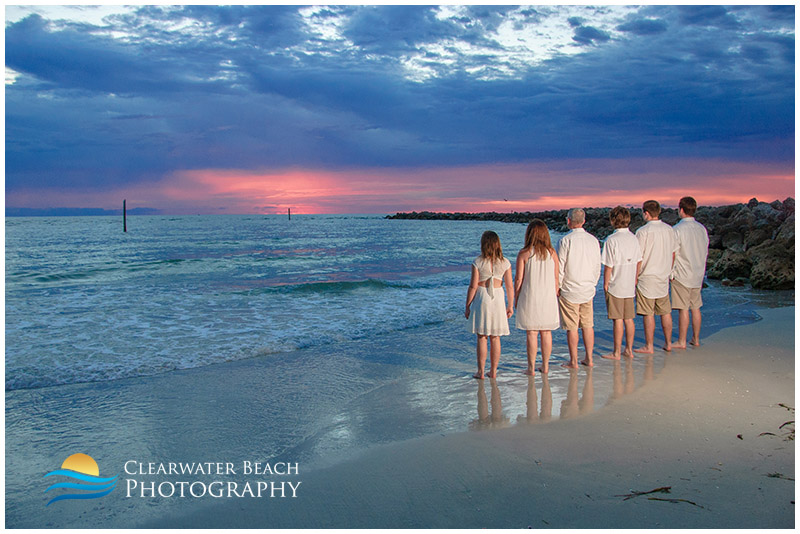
659	244
622	259
688	271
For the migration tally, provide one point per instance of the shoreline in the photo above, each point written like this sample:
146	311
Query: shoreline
708	428
230	411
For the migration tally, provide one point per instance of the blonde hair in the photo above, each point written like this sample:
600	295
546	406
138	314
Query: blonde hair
537	239
490	246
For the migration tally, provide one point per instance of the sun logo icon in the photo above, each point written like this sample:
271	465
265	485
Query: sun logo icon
83	468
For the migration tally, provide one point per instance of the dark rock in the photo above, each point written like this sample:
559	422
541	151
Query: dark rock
773	265
766	215
786	230
713	255
788	205
756	237
741	281
752	203
733	241
731	264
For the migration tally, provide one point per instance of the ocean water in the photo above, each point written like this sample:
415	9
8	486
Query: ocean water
86	302
258	338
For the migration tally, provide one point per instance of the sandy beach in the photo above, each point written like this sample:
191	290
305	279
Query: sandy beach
709	429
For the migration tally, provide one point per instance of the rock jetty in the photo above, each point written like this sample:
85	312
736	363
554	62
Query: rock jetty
748	243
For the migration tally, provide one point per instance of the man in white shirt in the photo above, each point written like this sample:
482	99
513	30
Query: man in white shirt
659	244
622	258
579	270
688	271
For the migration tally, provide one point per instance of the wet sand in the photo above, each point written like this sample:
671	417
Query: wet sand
709	429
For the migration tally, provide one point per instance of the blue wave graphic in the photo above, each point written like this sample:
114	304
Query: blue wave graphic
73	485
104	485
80	476
80	496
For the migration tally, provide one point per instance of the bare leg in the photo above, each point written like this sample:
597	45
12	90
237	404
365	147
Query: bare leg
683	329
588	342
649	322
630	328
547	349
697	320
532	349
619	327
494	355
481	357
572	345
666	326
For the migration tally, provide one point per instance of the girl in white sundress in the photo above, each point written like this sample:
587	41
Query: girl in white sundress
536	288
486	304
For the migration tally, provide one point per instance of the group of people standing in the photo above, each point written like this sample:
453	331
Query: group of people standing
661	266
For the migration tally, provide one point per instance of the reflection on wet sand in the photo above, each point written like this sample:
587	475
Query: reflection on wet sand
486	418
579	391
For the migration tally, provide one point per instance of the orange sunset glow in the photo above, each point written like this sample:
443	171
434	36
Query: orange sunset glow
521	187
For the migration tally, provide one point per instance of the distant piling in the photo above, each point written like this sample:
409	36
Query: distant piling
290	214
124	216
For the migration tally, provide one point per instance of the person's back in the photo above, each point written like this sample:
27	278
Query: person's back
658	242
690	259
579	265
623	253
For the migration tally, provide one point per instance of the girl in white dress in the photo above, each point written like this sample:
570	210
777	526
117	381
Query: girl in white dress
486	304
536	288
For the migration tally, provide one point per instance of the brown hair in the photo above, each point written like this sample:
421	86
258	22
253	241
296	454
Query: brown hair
537	239
652	207
688	205
490	246
620	217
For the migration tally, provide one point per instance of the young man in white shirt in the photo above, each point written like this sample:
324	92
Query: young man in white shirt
579	270
622	258
688	271
659	244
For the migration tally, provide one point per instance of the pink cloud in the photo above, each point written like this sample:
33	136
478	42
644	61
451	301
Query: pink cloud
501	187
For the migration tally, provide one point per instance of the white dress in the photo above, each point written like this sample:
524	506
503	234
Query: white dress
488	308
537	306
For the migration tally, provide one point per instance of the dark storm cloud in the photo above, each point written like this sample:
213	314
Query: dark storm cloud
707	16
253	87
589	35
644	26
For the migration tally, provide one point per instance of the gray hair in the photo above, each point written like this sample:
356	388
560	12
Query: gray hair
577	216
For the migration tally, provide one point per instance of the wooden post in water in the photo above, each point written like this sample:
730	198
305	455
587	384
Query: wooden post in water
290	214
124	216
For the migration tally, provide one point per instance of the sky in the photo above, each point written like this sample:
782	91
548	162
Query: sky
380	109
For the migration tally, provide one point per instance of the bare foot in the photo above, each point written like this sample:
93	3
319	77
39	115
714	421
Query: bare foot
694	342
627	353
679	345
644	350
529	372
587	363
667	348
570	365
543	369
479	376
610	357
491	375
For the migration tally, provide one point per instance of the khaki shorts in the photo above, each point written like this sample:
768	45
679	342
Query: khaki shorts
574	316
619	308
685	298
649	307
